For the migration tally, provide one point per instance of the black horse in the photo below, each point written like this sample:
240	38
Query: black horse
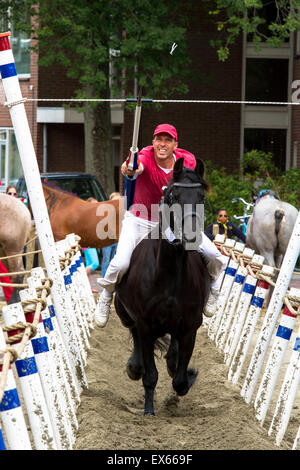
166	287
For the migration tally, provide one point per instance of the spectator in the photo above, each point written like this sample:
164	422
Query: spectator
224	227
109	251
91	256
12	191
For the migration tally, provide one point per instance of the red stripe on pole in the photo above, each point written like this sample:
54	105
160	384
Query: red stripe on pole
263	284
29	319
288	313
4	42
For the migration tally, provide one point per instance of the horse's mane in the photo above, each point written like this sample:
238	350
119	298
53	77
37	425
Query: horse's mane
57	188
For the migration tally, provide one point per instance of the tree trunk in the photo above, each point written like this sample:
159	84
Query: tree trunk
99	159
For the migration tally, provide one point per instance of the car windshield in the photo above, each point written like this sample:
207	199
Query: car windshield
80	187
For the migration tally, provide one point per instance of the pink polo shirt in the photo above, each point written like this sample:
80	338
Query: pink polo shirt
149	183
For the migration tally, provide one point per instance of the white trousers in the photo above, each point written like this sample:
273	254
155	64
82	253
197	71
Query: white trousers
134	229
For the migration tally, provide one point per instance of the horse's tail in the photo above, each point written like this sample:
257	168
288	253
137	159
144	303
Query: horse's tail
162	344
279	213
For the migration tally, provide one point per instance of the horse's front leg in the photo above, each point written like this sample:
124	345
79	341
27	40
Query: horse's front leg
150	375
184	377
134	367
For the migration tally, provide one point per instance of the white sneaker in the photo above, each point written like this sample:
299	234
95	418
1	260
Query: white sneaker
102	311
211	304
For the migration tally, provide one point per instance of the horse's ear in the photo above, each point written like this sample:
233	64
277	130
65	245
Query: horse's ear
178	167
200	167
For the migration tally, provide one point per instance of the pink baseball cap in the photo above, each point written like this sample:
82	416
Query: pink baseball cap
167	128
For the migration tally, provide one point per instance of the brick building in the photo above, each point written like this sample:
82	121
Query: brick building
217	132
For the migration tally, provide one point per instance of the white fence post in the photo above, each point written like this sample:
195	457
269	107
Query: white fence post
47	371
242	309
35	280
249	326
30	384
232	301
225	290
292	375
75	320
33	182
83	280
11	413
281	286
280	343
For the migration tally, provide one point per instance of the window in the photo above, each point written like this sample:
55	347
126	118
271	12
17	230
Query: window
268	140
20	45
267	79
10	163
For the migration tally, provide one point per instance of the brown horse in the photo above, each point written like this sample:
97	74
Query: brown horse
15	224
97	223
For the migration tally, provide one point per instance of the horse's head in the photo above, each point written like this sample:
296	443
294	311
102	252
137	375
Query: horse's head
182	209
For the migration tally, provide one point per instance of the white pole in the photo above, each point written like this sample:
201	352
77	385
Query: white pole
57	366
31	386
249	326
35	280
290	383
76	299
232	302
33	182
75	320
225	291
280	343
73	242
214	321
47	372
273	311
11	413
241	310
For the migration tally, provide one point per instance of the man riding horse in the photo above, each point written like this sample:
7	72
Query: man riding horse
155	171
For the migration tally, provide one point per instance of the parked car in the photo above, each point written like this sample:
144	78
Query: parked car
82	185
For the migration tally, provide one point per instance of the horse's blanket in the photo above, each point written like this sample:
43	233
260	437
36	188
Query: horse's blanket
7	290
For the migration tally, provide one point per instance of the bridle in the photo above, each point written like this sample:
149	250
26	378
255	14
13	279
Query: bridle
172	200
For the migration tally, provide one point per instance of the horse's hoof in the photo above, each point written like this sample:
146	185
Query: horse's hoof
170	372
133	375
149	413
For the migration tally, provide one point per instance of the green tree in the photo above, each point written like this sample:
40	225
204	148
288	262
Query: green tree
259	172
234	17
85	36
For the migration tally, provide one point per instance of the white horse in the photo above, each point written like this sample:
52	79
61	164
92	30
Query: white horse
270	227
15	224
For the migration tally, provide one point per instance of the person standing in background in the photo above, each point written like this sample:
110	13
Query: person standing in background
109	251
